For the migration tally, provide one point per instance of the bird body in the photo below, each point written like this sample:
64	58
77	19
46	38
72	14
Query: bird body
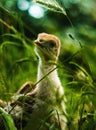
48	91
50	84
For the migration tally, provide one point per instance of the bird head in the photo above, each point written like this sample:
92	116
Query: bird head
47	47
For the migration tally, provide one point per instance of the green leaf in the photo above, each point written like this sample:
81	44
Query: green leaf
8	121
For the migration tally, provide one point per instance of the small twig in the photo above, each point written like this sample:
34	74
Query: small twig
6	24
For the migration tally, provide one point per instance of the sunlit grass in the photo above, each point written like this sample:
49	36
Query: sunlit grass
17	58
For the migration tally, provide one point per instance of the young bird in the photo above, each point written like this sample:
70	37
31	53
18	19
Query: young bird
49	106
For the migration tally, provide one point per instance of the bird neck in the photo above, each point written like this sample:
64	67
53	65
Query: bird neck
48	81
46	69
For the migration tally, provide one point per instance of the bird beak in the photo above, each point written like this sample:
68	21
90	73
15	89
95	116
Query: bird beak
37	42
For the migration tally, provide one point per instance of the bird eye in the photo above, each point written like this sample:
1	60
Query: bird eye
52	44
41	40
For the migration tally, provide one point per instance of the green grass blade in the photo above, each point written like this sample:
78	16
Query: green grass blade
8	121
83	70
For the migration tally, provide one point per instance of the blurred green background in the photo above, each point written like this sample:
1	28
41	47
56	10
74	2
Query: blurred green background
20	23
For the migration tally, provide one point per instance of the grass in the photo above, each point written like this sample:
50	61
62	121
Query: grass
77	70
8	121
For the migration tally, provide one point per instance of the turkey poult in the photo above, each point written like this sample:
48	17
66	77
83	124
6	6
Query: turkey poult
44	106
49	107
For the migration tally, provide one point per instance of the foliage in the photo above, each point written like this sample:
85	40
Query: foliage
8	121
16	64
76	64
